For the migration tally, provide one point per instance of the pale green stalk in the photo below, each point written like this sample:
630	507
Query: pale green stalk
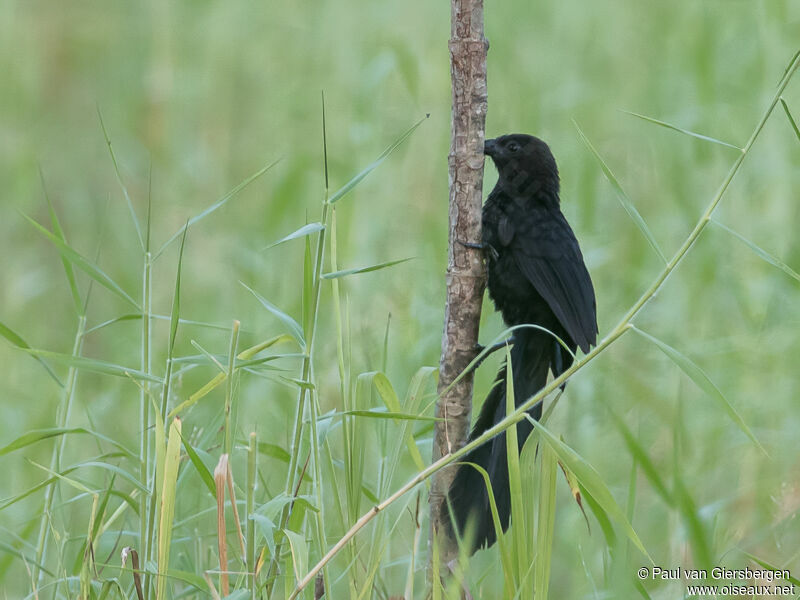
65	410
229	389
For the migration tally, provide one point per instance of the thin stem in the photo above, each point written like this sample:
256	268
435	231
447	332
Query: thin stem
306	370
58	449
144	403
615	334
229	390
252	453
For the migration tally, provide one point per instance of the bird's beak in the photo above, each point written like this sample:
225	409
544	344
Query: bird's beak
489	147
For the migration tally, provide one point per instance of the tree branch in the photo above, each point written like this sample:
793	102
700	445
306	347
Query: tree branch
466	276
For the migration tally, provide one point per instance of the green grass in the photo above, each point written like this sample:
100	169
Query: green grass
211	114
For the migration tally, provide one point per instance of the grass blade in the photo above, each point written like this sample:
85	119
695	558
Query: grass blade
91	364
17	340
643	458
134	218
546	523
590	479
167	513
218	204
304	231
702	381
200	466
791	119
623	197
374	164
699	136
59	232
83	263
346	272
294	326
763	254
32	437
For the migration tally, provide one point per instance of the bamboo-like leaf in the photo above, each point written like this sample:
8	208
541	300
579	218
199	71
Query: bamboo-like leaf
381	413
308	287
546	523
792	122
134	218
623	197
593	483
505	551
176	298
299	549
38	435
200	466
346	272
274	451
698	537
113	469
761	253
375	164
293	325
520	535
59	232
702	381
7	548
643	458
304	231
17	340
219	378
699	136
167	508
138	316
218	204
91	364
83	263
793	580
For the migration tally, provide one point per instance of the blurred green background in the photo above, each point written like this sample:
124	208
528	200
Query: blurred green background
202	94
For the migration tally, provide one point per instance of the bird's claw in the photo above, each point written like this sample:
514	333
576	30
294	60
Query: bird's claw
473	245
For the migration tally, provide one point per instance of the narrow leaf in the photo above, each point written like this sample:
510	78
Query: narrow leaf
134	218
375	164
176	298
305	230
167	508
17	340
219	203
37	435
83	263
59	232
293	325
345	272
593	483
761	253
702	381
200	466
699	136
91	364
791	118
299	549
623	198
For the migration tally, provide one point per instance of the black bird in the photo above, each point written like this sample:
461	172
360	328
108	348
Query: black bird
536	276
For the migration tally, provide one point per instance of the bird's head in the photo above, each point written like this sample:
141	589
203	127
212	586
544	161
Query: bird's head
525	164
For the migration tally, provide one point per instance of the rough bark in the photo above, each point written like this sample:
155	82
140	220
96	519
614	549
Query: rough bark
466	276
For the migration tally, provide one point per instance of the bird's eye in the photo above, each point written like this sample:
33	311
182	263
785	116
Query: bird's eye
513	147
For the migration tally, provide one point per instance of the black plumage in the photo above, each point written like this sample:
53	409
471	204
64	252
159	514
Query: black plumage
536	276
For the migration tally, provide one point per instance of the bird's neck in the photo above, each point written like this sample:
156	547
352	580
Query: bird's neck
542	195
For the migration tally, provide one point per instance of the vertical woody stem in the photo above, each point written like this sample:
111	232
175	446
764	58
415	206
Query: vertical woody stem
466	276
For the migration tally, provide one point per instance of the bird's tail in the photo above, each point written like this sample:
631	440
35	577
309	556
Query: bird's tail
532	356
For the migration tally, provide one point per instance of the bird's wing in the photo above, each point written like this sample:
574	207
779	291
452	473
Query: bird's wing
551	260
